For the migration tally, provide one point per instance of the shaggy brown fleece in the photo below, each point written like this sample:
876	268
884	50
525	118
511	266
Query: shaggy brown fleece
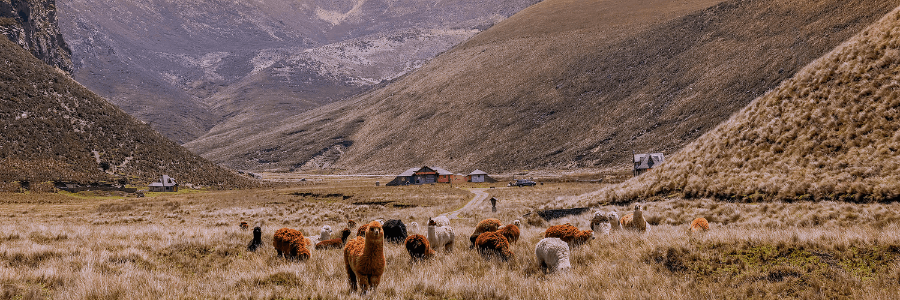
335	243
699	224
291	244
492	244
511	232
364	259
569	234
486	225
418	247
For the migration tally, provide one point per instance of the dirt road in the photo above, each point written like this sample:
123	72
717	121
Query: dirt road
480	201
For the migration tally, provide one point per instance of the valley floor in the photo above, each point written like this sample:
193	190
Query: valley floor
188	245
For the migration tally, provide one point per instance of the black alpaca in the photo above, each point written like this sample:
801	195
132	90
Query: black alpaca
257	239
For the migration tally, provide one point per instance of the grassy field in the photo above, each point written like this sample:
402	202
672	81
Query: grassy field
188	245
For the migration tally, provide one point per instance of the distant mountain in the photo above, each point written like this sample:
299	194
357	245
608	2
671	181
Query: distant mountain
562	84
188	67
829	133
56	130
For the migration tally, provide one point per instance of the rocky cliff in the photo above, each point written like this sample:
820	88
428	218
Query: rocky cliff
32	24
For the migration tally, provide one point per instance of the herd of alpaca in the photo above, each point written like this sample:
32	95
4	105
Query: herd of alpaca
364	256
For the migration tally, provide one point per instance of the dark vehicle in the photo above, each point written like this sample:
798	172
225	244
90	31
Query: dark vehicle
522	182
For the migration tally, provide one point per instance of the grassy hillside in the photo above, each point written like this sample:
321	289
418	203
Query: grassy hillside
564	84
56	130
831	132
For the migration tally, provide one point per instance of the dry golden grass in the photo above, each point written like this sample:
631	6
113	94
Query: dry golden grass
829	133
190	246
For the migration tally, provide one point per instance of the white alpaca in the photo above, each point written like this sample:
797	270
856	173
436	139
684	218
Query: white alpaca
413	228
441	220
440	237
553	254
605	223
325	234
517	223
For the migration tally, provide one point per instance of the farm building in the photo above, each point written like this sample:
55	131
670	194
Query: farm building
422	175
646	161
458	178
479	176
166	184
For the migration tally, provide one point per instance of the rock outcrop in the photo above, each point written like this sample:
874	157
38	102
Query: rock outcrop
33	25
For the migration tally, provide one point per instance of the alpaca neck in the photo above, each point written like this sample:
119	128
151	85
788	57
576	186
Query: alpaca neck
324	236
373	247
430	232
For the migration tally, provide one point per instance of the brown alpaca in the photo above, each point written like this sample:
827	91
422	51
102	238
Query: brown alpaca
362	230
291	244
569	234
245	226
418	248
487	225
364	259
334	243
511	232
494	244
699	224
635	220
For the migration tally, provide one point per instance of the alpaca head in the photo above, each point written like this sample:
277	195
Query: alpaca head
431	222
374	231
327	229
414	227
637	207
257	233
517	223
351	224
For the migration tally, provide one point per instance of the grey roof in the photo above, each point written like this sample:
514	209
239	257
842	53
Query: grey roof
478	172
409	172
647	160
441	171
165	181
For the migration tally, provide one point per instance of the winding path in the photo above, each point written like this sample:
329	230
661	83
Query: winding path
481	198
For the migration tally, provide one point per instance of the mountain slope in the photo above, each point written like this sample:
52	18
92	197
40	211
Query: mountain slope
33	25
829	133
56	130
563	84
187	66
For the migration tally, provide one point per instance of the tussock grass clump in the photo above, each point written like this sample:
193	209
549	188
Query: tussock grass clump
829	133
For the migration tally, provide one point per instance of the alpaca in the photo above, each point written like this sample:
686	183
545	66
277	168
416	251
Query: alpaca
511	232
335	243
244	226
364	259
440	236
699	224
257	239
570	234
351	224
517	223
418	248
492	244
291	244
394	231
325	233
362	230
605	223
553	255
413	228
441	220
635	220
486	225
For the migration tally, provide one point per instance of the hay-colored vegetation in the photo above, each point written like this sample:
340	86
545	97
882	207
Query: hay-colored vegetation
829	133
56	130
189	246
565	84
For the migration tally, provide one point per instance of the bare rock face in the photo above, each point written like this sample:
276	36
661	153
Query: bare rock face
33	25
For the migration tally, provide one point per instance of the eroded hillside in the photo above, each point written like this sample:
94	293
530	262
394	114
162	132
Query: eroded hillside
563	84
56	130
829	133
188	67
